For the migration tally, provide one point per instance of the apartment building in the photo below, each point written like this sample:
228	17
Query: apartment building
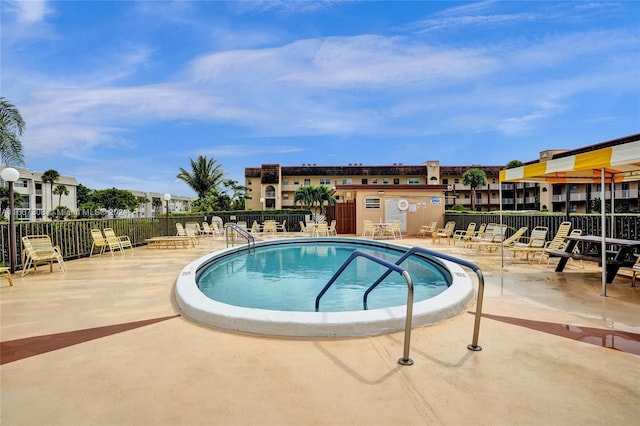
273	186
37	197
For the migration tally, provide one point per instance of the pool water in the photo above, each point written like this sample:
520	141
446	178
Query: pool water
289	277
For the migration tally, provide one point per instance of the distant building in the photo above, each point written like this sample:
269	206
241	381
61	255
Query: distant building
371	188
37	201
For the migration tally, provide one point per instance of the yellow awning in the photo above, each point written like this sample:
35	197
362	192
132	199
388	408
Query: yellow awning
621	163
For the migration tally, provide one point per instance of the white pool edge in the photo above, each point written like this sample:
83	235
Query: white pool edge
198	307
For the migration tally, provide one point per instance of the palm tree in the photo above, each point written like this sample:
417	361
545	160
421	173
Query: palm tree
11	128
206	176
60	191
314	197
50	176
474	178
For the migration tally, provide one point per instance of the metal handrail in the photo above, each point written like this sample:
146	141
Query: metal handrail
475	268
405	360
251	240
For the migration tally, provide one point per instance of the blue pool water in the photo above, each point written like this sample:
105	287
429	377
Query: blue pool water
288	277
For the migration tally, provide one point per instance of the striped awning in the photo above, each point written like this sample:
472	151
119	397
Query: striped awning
620	162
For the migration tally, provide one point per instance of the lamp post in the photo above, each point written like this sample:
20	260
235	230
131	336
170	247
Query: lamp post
11	175
262	200
167	197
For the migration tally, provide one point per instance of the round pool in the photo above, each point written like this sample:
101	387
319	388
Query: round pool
273	290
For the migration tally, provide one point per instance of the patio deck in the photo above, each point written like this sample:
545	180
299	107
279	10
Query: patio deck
105	345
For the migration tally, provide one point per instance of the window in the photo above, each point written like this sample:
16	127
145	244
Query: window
456	180
285	196
365	181
325	181
445	181
413	181
385	180
296	182
285	181
20	183
248	181
347	181
396	181
374	181
371	203
307	182
493	180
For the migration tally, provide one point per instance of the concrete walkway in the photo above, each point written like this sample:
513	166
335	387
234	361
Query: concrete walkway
103	344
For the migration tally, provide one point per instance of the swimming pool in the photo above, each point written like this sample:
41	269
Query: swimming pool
443	289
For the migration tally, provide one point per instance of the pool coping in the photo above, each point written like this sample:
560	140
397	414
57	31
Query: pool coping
198	307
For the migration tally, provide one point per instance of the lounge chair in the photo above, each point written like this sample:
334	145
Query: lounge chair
38	249
464	235
117	242
428	230
305	230
99	241
557	243
499	242
493	236
530	245
281	226
445	232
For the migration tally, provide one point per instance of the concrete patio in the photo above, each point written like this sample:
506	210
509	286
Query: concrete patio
105	345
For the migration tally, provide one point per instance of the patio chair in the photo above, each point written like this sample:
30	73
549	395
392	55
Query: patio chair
427	230
281	226
6	272
269	227
332	228
635	270
206	229
99	241
445	232
116	242
305	230
369	229
464	235
38	249
321	229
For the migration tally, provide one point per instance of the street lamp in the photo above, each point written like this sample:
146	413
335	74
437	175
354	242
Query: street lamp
262	200
167	197
11	175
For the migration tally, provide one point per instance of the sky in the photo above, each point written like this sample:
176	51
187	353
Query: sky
124	93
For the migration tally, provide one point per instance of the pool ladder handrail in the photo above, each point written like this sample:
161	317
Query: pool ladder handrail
475	268
405	360
248	236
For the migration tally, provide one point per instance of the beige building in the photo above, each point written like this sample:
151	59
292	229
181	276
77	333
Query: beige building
424	191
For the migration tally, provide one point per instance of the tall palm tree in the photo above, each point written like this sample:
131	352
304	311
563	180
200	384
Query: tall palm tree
60	190
50	176
474	178
205	178
11	127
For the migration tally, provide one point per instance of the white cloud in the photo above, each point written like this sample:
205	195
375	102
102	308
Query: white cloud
28	12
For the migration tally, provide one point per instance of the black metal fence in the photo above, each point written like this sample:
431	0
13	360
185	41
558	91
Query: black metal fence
626	226
74	236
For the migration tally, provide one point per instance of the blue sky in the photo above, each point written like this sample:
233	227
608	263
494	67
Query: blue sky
123	94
